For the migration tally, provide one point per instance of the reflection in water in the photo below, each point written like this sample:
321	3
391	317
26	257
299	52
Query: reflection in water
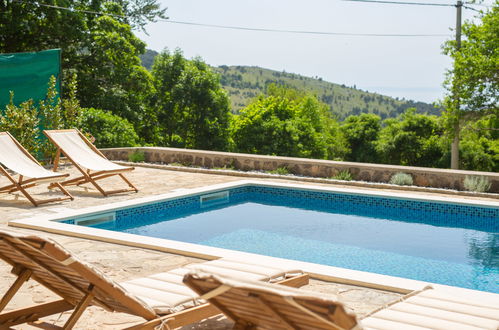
484	250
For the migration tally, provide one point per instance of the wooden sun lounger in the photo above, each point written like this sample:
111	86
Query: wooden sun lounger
155	298
254	305
91	163
31	173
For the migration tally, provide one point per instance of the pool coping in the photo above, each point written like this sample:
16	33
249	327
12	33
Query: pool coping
49	223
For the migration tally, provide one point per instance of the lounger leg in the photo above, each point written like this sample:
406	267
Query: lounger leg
56	159
129	183
25	193
82	305
21	278
33	313
64	191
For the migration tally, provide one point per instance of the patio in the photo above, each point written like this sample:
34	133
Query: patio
123	262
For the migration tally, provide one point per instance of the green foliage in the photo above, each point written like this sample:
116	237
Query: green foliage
191	107
476	183
412	139
344	175
109	130
137	156
287	123
361	133
245	83
22	122
111	76
472	84
280	171
72	111
473	77
401	179
479	147
51	117
101	49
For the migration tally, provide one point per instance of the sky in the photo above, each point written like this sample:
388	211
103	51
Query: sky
405	67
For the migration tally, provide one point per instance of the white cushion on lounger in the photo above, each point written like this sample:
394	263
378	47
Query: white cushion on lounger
433	309
166	293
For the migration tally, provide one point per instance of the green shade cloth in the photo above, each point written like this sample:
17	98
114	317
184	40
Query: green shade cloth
27	75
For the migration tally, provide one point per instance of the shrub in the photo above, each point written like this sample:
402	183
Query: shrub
108	130
280	170
401	179
476	183
344	175
22	122
137	156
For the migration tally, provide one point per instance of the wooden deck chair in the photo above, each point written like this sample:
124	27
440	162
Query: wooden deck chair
254	305
92	164
157	298
14	157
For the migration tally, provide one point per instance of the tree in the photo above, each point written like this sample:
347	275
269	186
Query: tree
473	82
479	147
29	26
110	74
412	139
361	132
287	122
191	107
100	48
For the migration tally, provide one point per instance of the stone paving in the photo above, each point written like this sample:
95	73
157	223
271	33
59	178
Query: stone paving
124	263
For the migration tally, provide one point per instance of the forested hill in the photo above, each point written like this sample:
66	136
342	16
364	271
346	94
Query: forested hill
244	83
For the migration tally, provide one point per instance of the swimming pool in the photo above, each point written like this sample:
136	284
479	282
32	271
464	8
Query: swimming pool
446	243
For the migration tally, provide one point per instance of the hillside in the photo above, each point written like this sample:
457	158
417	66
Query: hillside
244	83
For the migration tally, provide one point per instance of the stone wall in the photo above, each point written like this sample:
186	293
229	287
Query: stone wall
424	177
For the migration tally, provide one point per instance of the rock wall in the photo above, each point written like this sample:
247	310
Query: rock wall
422	176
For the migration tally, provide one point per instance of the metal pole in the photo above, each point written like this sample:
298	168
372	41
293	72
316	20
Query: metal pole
454	163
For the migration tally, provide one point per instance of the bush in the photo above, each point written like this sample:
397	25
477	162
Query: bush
108	130
476	183
401	179
22	122
137	156
344	175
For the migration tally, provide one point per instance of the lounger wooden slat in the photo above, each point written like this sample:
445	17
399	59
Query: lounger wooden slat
80	285
91	163
253	305
30	172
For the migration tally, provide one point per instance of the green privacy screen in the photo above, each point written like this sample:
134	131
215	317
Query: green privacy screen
27	74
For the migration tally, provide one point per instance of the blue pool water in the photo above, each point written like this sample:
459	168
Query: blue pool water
435	242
